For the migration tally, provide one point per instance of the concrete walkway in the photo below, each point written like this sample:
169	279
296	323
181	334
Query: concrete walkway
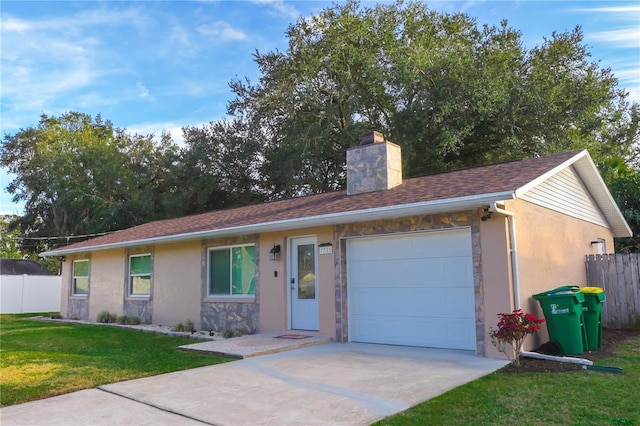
255	344
336	384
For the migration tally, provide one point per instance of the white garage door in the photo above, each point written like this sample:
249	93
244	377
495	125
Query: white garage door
414	289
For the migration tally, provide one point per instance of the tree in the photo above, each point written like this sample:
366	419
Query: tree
9	239
623	181
80	176
221	163
451	93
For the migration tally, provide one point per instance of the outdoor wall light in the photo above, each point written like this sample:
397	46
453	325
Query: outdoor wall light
274	253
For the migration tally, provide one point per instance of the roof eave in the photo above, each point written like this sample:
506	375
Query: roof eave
390	212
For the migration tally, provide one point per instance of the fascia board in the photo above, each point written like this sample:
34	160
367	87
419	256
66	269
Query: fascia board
427	207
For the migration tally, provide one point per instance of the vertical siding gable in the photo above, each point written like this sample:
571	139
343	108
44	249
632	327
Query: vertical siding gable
565	192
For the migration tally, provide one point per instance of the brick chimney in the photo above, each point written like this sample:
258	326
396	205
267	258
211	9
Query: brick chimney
375	165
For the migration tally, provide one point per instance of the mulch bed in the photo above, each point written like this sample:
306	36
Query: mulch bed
610	341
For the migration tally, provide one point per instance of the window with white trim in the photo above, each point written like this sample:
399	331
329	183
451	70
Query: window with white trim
80	285
232	271
140	275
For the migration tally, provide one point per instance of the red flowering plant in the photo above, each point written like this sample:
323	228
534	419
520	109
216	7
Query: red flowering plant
512	329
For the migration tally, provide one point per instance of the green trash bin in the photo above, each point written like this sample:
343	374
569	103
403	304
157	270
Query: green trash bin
592	311
562	308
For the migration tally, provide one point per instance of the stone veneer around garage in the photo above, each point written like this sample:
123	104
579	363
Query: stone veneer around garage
468	219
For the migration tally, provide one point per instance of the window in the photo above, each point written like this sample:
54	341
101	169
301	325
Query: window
140	275
80	277
232	271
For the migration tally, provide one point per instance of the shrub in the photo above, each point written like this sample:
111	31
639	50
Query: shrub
135	320
184	326
106	317
179	327
127	320
512	329
228	333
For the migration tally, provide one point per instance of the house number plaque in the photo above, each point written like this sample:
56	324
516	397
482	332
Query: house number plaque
325	249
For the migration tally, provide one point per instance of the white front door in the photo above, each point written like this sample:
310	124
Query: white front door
303	284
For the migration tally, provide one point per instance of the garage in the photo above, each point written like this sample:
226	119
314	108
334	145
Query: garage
412	289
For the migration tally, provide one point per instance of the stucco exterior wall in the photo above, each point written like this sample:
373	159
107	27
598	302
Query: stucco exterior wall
106	287
275	290
496	274
177	283
550	247
551	251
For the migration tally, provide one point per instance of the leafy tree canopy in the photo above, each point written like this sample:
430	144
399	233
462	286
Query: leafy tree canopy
451	93
9	240
78	175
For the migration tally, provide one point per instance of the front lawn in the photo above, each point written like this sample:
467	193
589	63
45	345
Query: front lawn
41	359
558	398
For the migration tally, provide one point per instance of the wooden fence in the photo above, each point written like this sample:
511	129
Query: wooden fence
619	276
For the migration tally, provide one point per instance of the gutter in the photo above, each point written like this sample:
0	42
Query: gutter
493	207
388	212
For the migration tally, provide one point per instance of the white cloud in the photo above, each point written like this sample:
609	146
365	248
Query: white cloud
73	22
222	30
611	9
13	24
629	78
45	59
179	35
157	128
143	92
626	37
624	22
281	8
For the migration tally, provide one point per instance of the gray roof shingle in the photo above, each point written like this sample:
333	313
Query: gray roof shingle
22	267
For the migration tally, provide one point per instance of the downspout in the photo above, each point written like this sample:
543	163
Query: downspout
493	208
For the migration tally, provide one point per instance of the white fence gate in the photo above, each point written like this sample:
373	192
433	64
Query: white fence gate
30	293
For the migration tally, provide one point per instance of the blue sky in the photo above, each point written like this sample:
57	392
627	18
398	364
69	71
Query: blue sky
150	66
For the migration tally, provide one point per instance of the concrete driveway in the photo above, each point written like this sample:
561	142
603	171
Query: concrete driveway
337	384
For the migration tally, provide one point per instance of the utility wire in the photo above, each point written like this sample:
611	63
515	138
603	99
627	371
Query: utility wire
60	238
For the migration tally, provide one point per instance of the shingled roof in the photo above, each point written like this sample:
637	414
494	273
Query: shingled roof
459	189
22	267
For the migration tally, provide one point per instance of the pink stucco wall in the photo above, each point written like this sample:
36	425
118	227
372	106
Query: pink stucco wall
274	290
551	249
496	274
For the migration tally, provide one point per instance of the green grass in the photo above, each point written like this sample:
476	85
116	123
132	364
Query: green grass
569	398
41	359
